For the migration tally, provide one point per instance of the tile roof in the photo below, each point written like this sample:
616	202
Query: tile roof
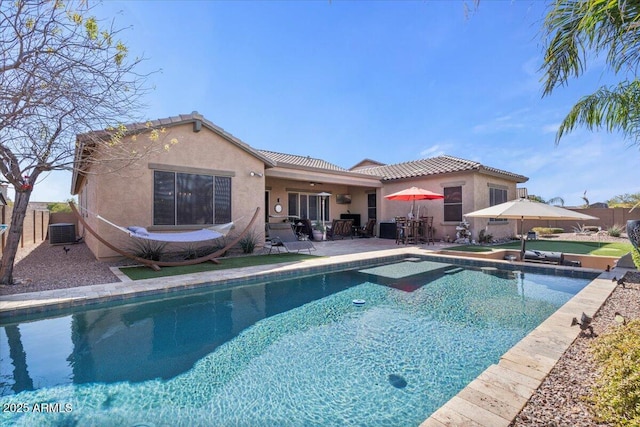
366	163
193	118
415	168
304	161
434	166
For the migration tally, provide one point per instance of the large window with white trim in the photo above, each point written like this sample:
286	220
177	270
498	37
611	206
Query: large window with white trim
308	206
190	199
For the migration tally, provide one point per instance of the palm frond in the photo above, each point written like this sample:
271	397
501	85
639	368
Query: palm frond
609	108
577	29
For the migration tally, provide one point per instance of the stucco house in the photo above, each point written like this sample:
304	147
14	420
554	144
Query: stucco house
212	177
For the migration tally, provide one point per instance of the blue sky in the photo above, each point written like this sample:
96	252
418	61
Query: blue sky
389	81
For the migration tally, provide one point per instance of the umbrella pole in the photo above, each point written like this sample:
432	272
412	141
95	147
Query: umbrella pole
522	241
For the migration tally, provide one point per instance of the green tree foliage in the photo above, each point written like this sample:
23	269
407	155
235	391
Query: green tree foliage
577	30
536	198
624	200
60	206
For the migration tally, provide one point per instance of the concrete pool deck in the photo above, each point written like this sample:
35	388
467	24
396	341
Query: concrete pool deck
493	399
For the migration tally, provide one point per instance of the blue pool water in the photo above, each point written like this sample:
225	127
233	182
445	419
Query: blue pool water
289	353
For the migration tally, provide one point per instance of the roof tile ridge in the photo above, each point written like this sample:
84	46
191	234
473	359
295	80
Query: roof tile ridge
460	159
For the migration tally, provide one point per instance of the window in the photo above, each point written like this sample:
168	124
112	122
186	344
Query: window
453	203
307	206
189	199
222	203
497	196
371	206
164	190
293	204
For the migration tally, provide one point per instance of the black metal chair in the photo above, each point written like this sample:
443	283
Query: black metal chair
368	230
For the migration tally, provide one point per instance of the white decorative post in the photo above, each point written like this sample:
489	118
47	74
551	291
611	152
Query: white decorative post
322	196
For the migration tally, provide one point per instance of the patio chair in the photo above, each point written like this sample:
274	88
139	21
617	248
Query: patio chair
340	228
303	229
368	230
282	235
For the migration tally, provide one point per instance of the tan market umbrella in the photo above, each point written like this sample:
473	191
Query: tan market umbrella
413	194
528	209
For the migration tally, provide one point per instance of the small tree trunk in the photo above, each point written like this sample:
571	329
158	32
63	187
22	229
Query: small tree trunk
13	237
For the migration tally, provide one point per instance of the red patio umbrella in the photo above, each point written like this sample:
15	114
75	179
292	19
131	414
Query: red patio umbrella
413	194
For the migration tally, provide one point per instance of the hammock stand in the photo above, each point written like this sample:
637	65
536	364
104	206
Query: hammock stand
156	265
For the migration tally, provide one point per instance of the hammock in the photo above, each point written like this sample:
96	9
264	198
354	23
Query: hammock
155	265
3	228
211	233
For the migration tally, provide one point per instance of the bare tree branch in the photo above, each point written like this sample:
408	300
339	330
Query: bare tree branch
63	73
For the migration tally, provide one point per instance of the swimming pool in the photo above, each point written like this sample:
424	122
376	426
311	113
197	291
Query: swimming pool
294	352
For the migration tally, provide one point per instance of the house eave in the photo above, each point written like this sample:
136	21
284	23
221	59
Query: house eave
301	173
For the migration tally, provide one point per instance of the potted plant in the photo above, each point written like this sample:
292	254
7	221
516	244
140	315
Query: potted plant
318	230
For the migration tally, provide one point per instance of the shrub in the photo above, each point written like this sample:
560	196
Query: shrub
556	230
189	252
193	252
615	230
148	249
584	229
616	396
249	242
543	231
484	237
635	255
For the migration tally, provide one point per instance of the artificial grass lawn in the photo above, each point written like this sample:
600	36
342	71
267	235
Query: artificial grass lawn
581	248
139	273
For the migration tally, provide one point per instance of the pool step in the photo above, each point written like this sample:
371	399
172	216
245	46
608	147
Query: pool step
454	270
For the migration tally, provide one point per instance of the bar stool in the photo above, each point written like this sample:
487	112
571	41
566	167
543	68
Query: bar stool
412	231
401	229
428	230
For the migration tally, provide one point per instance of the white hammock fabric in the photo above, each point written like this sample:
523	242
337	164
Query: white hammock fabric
181	237
223	229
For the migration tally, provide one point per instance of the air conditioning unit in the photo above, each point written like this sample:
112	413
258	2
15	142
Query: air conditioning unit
62	233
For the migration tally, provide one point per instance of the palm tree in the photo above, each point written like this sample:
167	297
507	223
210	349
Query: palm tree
557	201
578	29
